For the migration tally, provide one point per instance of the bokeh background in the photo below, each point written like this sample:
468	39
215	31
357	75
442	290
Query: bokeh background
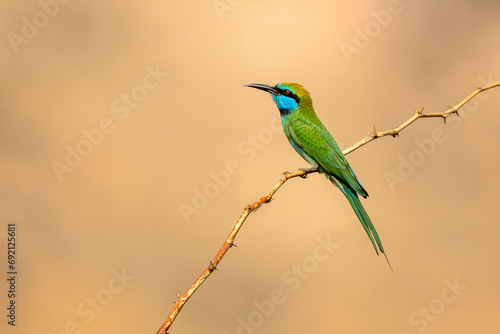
182	147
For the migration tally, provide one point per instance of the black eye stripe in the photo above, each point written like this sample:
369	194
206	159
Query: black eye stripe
290	94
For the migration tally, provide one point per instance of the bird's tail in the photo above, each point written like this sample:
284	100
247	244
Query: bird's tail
365	221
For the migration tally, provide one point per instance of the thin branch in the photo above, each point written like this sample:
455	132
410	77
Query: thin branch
229	243
286	176
418	114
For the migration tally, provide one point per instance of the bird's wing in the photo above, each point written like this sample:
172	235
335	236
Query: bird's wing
315	140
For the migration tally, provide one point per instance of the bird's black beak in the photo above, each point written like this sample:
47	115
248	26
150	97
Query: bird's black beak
265	88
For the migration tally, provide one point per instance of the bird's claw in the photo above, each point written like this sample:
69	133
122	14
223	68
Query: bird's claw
306	170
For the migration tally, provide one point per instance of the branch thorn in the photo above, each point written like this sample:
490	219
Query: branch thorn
212	266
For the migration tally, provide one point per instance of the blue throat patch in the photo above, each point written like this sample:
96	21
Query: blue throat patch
284	103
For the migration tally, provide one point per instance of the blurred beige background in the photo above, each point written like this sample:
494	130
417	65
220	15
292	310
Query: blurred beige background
149	99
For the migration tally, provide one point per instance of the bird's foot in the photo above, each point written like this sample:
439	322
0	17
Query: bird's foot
308	170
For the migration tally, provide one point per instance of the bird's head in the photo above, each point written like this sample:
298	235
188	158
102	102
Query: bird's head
289	97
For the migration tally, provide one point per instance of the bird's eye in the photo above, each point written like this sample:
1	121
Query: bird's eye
286	92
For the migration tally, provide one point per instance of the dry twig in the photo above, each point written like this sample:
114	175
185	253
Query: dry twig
418	114
302	173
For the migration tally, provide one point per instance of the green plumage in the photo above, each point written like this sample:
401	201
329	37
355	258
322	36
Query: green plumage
315	144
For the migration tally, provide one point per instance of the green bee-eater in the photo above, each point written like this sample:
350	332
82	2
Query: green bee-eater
315	144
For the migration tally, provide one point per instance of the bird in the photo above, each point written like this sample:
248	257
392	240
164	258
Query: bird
313	142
